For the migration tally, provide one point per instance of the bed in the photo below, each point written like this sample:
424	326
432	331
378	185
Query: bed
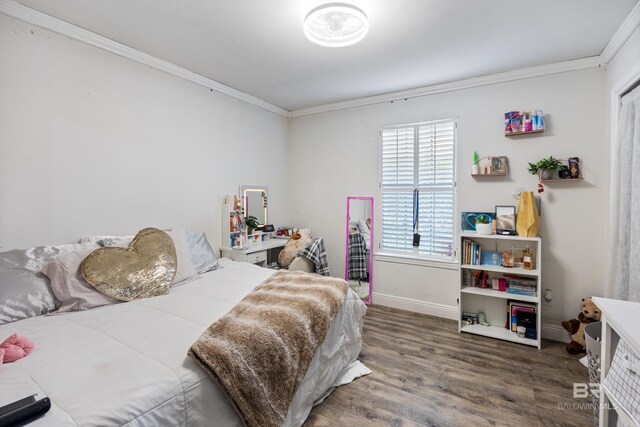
127	364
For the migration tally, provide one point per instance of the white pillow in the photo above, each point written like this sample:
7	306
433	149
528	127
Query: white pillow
185	271
69	286
202	255
105	240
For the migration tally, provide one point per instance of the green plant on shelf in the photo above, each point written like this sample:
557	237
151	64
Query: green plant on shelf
482	219
549	164
252	222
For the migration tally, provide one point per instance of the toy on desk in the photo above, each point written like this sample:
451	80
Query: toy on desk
589	313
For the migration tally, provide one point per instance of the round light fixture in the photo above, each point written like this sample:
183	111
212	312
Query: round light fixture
336	25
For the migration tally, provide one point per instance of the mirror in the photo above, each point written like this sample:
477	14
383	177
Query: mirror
254	202
359	241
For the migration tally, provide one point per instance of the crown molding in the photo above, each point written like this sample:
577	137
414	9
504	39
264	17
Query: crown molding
48	22
524	73
625	31
23	13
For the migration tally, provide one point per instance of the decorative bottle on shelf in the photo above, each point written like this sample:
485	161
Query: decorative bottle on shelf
528	259
475	169
539	113
574	167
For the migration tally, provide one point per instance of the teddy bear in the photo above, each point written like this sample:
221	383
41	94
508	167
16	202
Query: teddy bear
15	347
589	313
295	244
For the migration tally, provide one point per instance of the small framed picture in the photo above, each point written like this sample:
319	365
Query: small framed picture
506	220
468	219
499	165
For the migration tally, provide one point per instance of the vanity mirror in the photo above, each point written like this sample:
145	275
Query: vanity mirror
254	202
359	243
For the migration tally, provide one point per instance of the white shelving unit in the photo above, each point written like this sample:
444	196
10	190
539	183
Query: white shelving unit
492	302
227	233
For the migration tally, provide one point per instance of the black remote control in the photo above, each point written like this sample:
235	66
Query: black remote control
25	413
18	404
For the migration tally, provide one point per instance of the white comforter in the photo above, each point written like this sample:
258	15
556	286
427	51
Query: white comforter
127	364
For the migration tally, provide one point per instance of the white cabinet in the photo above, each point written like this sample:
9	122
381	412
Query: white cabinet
494	303
619	362
261	253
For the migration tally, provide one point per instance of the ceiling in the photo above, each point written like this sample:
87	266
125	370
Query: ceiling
258	46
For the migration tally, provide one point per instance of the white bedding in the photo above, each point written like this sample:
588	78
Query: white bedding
127	364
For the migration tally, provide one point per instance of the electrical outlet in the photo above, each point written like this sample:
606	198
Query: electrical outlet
547	297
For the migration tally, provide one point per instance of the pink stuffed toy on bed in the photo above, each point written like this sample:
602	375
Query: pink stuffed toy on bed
15	347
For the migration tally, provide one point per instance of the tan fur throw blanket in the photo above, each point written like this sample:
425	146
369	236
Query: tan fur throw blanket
260	351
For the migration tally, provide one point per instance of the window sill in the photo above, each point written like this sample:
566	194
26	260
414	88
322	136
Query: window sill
412	260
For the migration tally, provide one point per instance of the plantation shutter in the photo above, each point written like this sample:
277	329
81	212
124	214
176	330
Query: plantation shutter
419	157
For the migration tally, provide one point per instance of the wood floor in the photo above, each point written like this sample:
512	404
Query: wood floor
427	374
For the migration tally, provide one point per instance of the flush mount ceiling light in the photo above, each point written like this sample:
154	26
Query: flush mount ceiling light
336	25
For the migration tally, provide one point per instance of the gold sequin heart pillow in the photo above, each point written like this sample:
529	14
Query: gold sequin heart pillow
145	269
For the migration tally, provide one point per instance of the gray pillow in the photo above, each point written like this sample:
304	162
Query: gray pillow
24	291
202	255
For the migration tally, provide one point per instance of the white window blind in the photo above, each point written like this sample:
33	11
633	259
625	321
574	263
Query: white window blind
422	157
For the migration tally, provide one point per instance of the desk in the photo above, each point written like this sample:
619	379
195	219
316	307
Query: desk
619	322
262	253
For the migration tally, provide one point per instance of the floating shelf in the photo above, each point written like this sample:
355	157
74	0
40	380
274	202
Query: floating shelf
523	133
561	180
488	166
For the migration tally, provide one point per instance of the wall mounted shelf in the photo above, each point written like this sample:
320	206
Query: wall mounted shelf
523	133
561	180
491	166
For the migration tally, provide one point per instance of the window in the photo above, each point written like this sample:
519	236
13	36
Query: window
419	157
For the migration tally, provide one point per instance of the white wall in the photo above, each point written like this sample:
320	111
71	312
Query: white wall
335	154
91	143
626	62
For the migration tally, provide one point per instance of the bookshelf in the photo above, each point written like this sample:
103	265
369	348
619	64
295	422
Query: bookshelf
494	303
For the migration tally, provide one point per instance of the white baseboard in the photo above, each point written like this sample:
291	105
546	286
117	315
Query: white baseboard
554	332
417	306
550	331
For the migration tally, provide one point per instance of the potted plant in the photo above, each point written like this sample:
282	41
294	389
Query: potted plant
483	225
545	168
252	223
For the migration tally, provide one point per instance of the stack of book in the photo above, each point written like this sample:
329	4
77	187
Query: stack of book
522	286
471	252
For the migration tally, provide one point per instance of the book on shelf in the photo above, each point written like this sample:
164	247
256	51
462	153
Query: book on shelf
522	286
471	252
516	308
525	293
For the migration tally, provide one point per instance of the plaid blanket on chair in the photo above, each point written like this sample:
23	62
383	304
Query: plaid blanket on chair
317	254
358	257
